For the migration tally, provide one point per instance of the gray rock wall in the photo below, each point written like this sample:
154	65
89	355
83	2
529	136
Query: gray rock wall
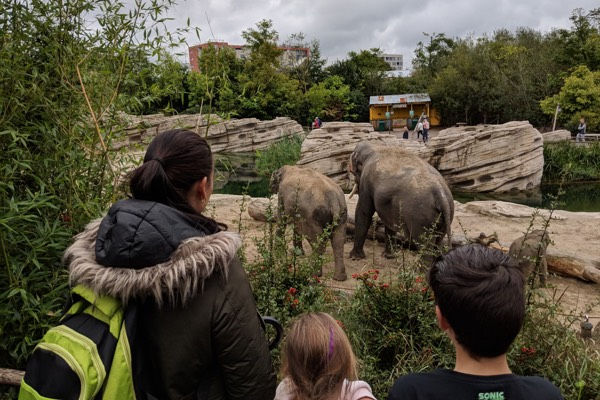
480	158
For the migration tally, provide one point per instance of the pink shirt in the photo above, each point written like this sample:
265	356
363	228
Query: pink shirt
357	390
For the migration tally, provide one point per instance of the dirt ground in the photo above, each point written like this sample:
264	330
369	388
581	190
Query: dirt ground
573	233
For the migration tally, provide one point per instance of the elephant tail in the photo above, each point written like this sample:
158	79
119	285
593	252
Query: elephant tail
447	205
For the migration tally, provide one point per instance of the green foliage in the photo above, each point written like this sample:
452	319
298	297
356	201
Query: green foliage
569	162
431	57
330	100
494	80
284	152
364	73
62	70
391	323
393	328
579	97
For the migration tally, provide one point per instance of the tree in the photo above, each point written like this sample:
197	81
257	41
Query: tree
430	57
579	97
329	100
310	70
364	73
265	90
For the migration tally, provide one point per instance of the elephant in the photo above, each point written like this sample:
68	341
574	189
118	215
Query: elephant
409	195
530	250
314	202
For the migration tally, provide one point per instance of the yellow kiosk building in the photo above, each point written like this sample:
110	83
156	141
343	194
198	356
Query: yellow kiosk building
400	110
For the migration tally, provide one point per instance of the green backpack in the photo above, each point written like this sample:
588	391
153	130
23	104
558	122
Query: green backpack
87	356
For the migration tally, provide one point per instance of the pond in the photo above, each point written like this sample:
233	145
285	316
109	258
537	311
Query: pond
583	196
576	197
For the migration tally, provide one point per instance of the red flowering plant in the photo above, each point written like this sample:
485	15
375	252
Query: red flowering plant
285	281
394	316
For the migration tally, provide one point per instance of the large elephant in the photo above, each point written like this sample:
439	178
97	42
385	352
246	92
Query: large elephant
314	202
409	195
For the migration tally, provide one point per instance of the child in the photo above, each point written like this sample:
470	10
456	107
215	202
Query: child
405	133
480	305
318	363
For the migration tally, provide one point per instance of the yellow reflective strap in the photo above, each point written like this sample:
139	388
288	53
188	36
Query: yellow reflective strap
71	362
88	344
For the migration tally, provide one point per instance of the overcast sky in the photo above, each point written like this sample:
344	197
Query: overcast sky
394	26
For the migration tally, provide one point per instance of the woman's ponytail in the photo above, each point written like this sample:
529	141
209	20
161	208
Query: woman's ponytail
174	161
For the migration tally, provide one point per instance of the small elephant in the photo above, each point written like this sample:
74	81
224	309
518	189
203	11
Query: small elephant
314	202
409	195
530	250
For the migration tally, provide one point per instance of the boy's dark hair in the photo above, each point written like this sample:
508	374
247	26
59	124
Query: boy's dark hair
480	293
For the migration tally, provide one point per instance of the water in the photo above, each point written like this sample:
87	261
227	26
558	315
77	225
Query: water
583	196
576	197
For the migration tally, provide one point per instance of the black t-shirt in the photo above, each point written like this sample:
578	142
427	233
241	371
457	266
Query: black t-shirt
446	384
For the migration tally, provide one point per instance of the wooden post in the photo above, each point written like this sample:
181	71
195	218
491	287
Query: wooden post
555	115
11	377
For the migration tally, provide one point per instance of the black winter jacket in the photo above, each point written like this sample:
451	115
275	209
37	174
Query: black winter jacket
199	335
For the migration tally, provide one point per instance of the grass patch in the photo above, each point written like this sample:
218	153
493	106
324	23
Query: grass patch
571	162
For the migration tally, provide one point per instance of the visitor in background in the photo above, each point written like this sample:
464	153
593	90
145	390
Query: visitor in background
318	362
425	129
419	128
581	131
480	305
405	133
198	331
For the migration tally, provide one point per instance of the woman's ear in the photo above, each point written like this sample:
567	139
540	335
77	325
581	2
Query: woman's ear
442	321
199	194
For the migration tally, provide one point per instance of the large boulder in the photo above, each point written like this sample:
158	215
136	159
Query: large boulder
233	136
556	136
487	158
480	158
328	149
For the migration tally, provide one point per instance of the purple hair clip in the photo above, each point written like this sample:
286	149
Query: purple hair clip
330	353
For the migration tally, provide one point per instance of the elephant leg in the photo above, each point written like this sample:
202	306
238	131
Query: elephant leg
297	240
362	220
337	243
389	243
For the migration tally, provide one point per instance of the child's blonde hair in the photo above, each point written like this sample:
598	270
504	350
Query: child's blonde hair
317	357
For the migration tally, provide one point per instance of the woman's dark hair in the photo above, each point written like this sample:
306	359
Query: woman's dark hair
479	291
174	161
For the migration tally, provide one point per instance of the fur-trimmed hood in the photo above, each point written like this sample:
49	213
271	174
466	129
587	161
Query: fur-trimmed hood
174	280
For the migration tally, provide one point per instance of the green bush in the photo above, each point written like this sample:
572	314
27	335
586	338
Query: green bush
60	86
565	161
284	152
392	325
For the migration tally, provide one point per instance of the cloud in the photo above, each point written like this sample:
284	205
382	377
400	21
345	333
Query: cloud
395	27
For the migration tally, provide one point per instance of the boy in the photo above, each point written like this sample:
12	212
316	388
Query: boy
480	305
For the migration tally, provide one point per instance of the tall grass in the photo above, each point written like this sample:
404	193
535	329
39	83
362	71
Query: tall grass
284	152
571	162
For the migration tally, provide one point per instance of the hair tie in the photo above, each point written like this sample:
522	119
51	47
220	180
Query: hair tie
159	160
330	352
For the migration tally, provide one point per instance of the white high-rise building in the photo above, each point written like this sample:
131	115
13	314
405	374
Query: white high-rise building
395	61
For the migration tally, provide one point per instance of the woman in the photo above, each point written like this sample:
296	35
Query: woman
581	131
198	332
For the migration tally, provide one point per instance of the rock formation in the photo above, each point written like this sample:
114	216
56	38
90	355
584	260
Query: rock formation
478	158
328	149
556	136
487	158
233	136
